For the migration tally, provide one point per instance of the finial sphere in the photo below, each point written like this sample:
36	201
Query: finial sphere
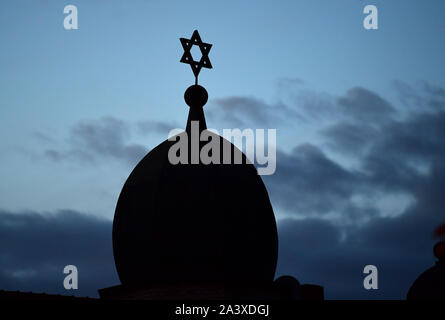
196	96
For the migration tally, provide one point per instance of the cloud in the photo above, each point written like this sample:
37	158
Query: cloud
392	156
312	250
424	95
365	106
337	222
35	247
351	138
160	127
299	104
251	112
316	251
356	105
94	140
307	182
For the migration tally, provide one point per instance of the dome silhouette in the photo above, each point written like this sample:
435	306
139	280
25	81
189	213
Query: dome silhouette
198	223
430	285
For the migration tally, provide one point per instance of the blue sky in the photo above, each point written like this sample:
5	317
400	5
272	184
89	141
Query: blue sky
119	74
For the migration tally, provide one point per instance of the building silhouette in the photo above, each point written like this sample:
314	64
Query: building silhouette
195	230
430	285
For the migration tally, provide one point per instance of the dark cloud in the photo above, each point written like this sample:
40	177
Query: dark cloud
313	106
315	251
420	136
299	104
161	127
399	155
250	112
351	138
424	95
394	156
95	140
307	181
356	105
34	249
365	106
108	137
404	155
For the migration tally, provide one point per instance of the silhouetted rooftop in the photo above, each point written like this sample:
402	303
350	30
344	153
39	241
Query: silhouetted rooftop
19	295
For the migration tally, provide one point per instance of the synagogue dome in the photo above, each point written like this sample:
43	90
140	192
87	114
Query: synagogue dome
200	223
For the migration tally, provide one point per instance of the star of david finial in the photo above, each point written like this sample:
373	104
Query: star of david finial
187	56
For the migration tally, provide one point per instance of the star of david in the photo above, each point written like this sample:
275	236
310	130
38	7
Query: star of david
187	56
